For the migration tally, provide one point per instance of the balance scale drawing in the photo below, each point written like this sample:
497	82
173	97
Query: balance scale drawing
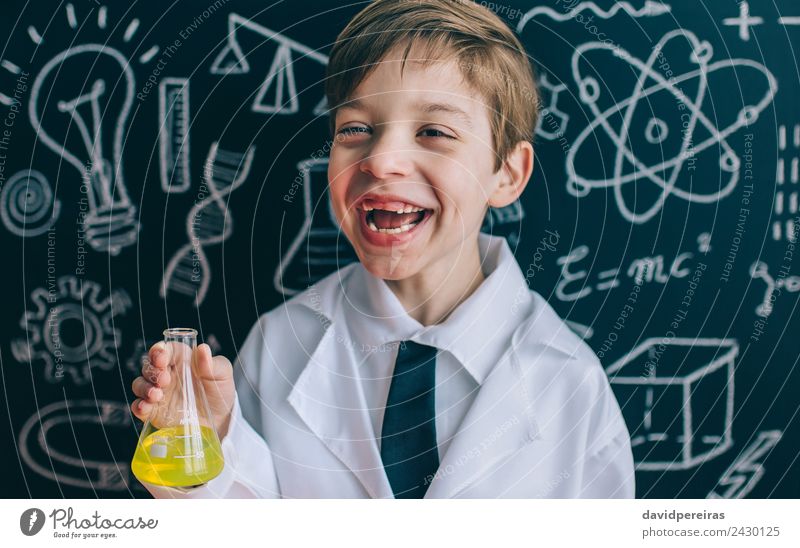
279	85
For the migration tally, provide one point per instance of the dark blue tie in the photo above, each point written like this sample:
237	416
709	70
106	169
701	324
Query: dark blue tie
408	436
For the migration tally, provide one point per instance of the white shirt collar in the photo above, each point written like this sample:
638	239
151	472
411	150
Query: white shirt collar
477	332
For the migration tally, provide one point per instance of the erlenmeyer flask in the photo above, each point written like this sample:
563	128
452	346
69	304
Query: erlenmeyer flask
179	445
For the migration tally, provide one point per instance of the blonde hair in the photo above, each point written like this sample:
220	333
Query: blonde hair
491	58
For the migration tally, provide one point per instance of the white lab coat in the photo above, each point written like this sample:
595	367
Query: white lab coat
544	423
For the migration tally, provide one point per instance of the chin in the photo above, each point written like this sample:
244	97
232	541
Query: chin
384	269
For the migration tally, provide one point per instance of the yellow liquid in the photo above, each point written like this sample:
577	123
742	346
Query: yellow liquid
178	457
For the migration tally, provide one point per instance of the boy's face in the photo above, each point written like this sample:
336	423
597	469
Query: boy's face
397	150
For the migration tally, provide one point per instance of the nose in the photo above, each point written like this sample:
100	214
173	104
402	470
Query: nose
388	156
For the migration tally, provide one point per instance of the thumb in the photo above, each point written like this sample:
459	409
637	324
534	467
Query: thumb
213	368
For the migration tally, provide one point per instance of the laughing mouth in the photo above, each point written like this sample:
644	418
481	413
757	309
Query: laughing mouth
397	221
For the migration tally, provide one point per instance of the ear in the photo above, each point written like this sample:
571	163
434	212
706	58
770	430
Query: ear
514	175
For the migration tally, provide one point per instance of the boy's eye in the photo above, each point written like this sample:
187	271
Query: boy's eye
440	133
352	130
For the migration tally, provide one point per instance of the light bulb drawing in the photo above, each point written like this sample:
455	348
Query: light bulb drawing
99	116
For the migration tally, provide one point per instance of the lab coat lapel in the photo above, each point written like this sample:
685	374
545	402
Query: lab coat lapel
498	424
328	398
502	419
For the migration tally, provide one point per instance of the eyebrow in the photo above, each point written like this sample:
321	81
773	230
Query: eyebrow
427	108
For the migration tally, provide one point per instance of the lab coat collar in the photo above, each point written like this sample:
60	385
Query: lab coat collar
328	395
476	332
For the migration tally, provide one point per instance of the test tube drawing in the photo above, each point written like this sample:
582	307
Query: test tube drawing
208	223
173	134
320	247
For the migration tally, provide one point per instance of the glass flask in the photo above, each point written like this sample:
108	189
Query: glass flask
179	445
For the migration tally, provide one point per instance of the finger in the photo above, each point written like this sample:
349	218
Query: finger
158	377
141	409
211	367
146	390
160	355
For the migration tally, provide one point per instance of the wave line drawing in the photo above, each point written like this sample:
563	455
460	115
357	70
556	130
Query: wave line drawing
650	9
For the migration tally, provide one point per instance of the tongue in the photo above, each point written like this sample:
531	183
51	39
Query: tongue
387	219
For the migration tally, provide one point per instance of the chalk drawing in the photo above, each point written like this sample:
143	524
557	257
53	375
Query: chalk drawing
110	223
62	441
628	167
650	9
27	205
71	329
574	284
278	92
788	170
744	21
174	116
319	247
678	395
552	122
747	470
791	284
208	223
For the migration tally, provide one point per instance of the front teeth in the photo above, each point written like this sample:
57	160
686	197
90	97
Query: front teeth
407	209
397	230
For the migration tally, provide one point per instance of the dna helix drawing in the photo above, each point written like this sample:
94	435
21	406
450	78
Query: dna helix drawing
207	223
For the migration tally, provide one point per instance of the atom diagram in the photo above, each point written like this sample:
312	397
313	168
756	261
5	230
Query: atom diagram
644	120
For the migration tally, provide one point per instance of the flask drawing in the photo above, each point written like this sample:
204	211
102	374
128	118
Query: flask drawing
179	445
319	247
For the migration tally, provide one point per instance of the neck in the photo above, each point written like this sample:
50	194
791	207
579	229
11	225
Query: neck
433	293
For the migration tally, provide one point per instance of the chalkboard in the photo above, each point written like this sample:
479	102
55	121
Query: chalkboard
660	220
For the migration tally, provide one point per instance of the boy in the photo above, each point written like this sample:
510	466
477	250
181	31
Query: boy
428	368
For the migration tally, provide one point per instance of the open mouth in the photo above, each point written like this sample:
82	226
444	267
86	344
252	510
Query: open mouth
385	221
